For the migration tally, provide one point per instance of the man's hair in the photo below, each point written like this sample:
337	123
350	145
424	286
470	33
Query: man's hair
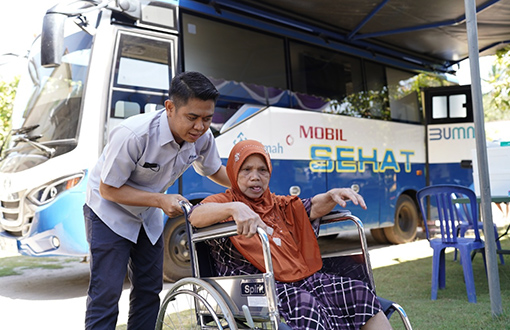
189	85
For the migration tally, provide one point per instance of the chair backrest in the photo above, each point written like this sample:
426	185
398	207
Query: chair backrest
463	211
442	199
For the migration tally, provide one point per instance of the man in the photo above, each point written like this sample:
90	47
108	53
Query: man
145	155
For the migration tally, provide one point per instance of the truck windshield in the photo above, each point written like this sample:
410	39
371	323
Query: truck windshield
51	98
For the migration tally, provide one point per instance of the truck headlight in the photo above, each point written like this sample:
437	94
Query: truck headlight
46	193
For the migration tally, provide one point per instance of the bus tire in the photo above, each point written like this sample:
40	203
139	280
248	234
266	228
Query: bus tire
406	222
176	258
379	236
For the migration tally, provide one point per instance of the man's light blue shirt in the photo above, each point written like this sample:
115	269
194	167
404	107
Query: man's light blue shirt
143	154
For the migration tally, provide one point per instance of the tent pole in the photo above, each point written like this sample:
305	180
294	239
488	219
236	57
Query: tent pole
481	152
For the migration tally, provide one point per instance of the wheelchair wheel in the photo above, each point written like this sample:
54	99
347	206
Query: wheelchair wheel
193	303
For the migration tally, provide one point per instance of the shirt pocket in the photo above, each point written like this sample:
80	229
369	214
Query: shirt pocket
145	176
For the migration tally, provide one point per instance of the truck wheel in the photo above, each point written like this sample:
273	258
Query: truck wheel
406	222
176	262
379	236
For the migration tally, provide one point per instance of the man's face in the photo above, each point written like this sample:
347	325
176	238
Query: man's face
190	121
253	177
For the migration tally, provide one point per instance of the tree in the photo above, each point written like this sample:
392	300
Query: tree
497	101
7	94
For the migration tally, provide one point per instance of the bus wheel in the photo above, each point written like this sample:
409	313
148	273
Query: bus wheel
176	262
379	235
406	222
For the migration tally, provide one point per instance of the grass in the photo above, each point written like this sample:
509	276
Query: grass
16	265
409	285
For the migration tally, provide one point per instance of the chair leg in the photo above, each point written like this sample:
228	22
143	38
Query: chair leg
442	269
498	245
438	272
467	267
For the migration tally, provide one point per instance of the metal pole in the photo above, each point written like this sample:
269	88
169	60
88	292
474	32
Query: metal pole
481	152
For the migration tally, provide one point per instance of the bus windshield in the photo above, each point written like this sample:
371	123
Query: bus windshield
52	100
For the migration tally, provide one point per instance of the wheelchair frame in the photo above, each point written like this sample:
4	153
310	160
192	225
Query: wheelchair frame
239	302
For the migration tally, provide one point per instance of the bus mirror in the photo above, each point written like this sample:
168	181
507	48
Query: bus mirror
52	39
130	8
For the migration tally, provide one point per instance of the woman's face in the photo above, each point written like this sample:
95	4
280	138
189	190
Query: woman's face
253	177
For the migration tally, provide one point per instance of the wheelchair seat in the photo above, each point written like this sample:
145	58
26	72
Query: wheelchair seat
247	301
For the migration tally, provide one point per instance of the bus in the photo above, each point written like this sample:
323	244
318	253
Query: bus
330	115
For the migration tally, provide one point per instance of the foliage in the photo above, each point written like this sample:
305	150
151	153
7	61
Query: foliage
376	104
497	101
7	94
365	104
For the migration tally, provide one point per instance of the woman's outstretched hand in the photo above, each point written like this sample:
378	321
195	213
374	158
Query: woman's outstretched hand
342	195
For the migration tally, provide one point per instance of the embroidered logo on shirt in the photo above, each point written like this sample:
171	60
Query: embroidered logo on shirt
192	158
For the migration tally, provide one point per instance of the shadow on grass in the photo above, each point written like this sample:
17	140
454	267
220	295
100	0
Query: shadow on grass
409	284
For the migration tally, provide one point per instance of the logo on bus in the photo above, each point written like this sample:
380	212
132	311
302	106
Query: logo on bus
321	133
349	160
451	133
270	148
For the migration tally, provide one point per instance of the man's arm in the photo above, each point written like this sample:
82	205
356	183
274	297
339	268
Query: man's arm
128	195
221	177
246	219
322	204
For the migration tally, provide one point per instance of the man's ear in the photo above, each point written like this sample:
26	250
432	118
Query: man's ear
170	107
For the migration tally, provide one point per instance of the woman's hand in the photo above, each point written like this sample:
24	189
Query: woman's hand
342	195
322	204
246	220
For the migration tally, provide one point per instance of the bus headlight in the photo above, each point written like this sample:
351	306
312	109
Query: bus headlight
46	193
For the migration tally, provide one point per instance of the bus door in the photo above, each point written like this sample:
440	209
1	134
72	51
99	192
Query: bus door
143	68
450	136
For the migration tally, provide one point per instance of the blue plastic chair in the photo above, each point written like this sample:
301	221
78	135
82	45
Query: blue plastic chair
466	223
441	200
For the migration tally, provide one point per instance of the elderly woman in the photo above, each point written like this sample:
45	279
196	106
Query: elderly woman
308	298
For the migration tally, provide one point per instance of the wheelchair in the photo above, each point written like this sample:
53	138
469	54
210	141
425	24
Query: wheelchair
248	301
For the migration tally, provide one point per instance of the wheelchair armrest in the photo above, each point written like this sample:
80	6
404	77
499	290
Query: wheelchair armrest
217	230
335	216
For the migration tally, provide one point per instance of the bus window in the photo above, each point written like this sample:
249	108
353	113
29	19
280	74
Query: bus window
232	53
143	69
451	106
150	107
404	103
458	106
325	73
125	109
439	107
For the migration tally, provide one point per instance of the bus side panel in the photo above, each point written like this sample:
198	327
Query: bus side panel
397	183
369	184
446	173
449	145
